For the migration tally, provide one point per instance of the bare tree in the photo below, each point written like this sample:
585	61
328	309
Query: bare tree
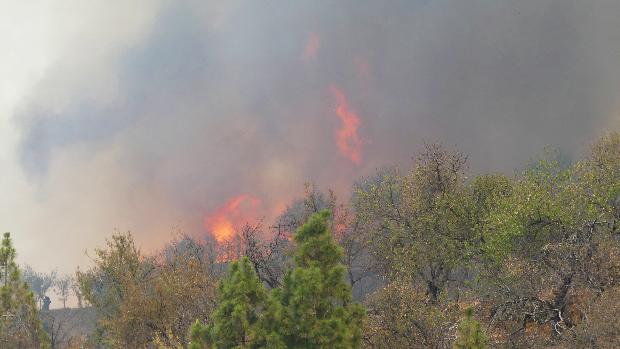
40	283
58	325
75	288
63	287
268	256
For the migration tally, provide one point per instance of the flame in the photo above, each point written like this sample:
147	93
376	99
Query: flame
348	140
312	46
221	223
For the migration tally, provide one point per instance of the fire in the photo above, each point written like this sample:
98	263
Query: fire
348	140
221	223
312	46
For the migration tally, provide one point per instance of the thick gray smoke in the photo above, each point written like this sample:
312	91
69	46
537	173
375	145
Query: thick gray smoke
213	101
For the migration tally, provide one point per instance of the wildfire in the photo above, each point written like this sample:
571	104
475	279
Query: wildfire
221	224
312	46
348	140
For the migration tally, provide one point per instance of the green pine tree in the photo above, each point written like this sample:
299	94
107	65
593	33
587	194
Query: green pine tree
20	326
313	309
316	303
470	333
199	336
235	324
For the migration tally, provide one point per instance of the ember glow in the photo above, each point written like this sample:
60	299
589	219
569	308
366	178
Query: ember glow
348	140
223	223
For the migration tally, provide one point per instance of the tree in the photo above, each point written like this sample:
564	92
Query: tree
470	334
20	326
40	283
401	315
271	257
529	249
601	328
555	244
75	289
312	309
237	319
145	300
117	270
316	304
58	325
63	287
422	225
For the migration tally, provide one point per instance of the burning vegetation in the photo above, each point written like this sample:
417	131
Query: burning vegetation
223	223
430	258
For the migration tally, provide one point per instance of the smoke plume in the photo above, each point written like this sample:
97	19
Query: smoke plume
156	119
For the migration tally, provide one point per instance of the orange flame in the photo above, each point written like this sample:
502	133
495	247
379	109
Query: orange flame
221	224
349	142
312	46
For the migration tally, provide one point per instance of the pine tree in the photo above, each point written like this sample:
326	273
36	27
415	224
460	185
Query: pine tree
20	326
470	333
236	321
313	309
316	303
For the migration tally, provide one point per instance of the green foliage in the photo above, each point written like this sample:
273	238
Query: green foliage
401	316
20	326
144	301
199	336
470	334
534	251
541	202
553	241
242	298
317	309
312	309
424	226
538	253
106	285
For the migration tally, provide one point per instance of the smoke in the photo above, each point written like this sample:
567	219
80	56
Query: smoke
157	126
312	47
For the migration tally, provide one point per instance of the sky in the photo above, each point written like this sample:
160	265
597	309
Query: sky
160	117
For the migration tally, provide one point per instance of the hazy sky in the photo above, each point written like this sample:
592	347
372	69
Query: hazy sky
156	116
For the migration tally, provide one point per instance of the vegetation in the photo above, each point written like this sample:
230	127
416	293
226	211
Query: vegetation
242	297
317	309
470	333
20	326
149	300
312	309
532	252
532	260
